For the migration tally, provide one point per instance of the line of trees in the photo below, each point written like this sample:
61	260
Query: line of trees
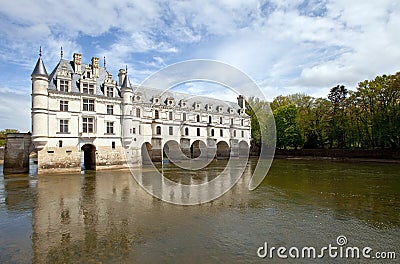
367	118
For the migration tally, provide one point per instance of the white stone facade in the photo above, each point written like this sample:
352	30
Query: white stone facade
82	118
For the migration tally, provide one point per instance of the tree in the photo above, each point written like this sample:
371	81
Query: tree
3	135
337	97
288	133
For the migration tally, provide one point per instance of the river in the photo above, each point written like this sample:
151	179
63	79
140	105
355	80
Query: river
106	217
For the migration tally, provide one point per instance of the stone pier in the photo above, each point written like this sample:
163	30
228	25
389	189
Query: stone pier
16	153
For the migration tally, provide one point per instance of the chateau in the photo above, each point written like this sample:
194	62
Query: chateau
84	119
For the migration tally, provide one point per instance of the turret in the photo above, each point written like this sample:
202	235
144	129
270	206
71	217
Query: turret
40	84
126	93
241	101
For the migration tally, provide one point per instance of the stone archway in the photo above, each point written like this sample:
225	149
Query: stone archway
243	149
197	149
146	153
172	151
89	157
223	150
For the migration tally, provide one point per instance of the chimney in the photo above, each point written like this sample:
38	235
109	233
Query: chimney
77	62
241	101
95	67
121	76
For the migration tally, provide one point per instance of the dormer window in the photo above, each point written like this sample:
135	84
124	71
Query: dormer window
219	109
109	91
197	106
230	110
156	100
87	88
63	79
170	101
182	103
63	85
241	111
208	107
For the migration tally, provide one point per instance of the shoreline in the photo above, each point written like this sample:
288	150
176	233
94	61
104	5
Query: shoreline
339	159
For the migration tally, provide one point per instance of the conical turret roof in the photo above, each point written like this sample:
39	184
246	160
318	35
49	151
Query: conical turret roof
40	69
126	83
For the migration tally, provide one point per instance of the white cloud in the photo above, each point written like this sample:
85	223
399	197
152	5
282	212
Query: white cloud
286	46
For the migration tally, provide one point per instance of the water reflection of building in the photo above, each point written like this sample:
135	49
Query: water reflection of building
97	215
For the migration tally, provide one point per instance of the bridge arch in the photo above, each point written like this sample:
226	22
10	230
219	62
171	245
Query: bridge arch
88	161
198	148
223	150
146	150
243	149
172	150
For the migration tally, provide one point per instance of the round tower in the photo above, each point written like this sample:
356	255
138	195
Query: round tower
126	93
40	84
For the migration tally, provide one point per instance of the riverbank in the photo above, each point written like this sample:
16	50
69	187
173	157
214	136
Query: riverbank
348	155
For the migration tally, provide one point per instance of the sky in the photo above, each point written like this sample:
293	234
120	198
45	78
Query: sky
286	47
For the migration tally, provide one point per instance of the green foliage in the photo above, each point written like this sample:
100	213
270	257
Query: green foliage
288	133
367	118
3	135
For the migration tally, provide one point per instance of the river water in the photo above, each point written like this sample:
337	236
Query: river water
106	217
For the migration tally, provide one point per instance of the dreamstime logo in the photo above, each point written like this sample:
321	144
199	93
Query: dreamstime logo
341	250
190	194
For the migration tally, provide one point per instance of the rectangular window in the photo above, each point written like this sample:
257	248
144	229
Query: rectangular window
156	114
242	133
110	128
140	130
220	120
110	92
63	86
134	130
63	106
231	121
88	124
110	109
171	131
234	133
137	112
170	116
184	117
221	133
63	126
198	132
88	104
60	143
88	88
113	144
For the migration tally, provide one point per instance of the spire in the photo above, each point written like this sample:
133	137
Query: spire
126	83
40	69
62	53
104	62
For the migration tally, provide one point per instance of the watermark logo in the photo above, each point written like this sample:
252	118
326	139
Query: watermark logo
149	145
340	250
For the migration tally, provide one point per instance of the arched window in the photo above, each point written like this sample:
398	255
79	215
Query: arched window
158	130
198	118
209	119
156	114
186	131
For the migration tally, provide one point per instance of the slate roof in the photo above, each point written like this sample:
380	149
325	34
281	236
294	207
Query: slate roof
147	94
40	69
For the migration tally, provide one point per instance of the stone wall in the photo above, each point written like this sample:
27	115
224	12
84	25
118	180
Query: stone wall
16	153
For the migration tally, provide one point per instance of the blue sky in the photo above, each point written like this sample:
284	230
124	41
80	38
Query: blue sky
285	46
